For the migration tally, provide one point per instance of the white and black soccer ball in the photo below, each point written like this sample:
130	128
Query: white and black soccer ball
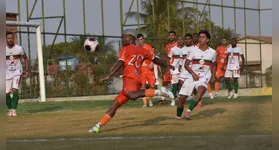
90	44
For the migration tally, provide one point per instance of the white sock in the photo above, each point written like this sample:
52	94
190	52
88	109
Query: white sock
162	98
11	95
99	125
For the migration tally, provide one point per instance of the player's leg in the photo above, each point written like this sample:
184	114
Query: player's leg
210	91
228	76
118	102
15	94
236	75
174	81
201	89
143	82
8	97
185	91
151	80
216	85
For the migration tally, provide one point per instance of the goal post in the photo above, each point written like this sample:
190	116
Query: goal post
40	53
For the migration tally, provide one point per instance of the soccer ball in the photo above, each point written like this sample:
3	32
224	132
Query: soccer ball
90	44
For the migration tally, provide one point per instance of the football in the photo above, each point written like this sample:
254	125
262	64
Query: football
90	44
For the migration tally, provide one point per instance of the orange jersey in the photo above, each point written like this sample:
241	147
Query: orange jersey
169	47
150	49
221	53
133	57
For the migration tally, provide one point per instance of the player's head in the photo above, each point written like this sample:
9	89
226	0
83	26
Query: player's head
233	42
180	41
188	39
204	37
10	39
224	41
195	37
140	39
172	36
128	37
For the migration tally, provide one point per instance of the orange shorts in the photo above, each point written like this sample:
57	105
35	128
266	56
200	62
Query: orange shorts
129	84
219	71
167	78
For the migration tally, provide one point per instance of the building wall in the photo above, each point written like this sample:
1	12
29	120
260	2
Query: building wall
253	52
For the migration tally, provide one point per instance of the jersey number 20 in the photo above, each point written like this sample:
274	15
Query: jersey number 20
136	61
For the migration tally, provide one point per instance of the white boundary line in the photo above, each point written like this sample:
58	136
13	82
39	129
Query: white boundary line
135	138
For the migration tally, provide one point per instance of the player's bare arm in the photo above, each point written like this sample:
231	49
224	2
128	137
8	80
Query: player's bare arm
242	64
26	61
159	62
189	69
225	62
213	77
117	66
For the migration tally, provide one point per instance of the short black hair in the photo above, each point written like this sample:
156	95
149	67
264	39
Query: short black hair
188	35
172	32
9	33
234	38
195	34
140	35
224	38
206	33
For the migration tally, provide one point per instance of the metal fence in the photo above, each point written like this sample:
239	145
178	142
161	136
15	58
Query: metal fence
152	17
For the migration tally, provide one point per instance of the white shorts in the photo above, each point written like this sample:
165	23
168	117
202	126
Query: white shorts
232	74
174	78
189	85
13	83
182	75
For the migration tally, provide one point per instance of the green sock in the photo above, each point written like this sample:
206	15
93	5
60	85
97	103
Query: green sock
15	100
174	90
9	102
228	85
235	84
179	111
193	104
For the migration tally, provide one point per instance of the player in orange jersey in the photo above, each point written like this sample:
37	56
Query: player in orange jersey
167	76
221	54
147	70
131	58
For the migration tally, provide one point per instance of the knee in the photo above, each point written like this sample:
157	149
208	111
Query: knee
14	91
132	96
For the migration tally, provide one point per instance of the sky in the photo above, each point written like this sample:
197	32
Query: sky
74	17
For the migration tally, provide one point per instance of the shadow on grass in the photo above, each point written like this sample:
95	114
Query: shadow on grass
209	113
46	109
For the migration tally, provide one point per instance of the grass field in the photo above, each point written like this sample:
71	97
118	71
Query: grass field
245	123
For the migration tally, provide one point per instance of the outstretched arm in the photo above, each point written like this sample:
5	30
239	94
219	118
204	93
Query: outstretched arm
116	67
158	61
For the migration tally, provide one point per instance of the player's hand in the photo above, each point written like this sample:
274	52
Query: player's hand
195	76
213	79
223	68
104	79
26	74
171	67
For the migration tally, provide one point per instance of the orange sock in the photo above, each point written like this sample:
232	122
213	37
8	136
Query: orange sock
150	92
105	119
209	88
144	100
216	87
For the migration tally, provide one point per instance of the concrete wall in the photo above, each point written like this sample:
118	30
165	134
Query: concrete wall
253	52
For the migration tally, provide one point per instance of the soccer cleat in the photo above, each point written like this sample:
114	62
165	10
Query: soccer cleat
211	96
144	106
230	95
215	95
14	114
94	130
162	102
166	93
10	113
235	95
187	115
199	105
150	103
172	103
177	118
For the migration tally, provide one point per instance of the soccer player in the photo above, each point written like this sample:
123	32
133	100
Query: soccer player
196	40
131	58
199	74
221	55
174	59
14	71
184	54
167	76
147	70
233	67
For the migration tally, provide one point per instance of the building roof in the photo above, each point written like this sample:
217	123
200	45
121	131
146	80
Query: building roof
11	13
266	39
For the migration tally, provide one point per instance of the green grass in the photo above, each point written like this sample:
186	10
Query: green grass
220	124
